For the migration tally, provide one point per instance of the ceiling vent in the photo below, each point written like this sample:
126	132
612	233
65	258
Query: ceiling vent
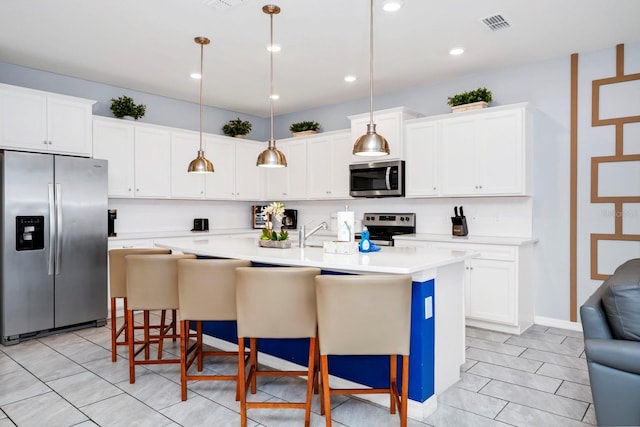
495	22
222	4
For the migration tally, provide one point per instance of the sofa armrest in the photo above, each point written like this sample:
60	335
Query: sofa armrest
617	354
593	318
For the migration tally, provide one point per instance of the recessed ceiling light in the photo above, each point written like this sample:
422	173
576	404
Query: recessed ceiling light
350	79
275	96
456	51
274	48
196	76
392	5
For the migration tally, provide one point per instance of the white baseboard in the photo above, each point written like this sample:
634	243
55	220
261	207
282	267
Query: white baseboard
416	410
557	323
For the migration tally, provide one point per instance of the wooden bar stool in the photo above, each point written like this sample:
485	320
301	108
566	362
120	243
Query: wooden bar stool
152	284
206	291
118	289
365	315
275	302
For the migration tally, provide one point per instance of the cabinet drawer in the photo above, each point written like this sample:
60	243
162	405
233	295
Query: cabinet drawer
495	252
133	243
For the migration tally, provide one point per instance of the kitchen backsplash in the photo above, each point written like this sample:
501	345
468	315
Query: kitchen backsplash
494	216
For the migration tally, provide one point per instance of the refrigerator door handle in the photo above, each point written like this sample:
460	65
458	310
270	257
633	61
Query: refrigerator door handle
52	233
58	226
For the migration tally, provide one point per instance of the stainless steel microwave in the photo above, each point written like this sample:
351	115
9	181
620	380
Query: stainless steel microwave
377	179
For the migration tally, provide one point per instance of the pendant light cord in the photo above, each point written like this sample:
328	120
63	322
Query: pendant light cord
371	63
271	79
201	78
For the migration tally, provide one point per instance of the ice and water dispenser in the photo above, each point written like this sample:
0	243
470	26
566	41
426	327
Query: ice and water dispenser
29	233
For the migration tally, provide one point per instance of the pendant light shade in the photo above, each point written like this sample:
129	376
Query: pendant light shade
271	157
200	164
371	144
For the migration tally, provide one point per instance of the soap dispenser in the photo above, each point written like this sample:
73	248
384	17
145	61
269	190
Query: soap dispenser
365	244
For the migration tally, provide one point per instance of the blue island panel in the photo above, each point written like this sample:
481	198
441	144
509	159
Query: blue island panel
372	371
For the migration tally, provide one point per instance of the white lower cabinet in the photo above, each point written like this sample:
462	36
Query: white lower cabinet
490	291
498	288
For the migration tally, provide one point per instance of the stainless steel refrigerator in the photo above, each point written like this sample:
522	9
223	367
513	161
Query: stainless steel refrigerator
53	259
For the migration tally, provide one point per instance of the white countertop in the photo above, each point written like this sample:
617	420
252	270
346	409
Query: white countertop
485	240
392	260
216	232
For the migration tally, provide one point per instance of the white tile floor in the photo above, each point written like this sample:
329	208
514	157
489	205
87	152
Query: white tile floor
536	379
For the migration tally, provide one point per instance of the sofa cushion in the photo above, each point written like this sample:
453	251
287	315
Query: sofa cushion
621	301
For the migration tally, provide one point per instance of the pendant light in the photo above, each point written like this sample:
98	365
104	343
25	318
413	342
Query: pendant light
371	144
271	157
200	164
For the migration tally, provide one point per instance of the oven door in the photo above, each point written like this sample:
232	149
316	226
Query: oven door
376	179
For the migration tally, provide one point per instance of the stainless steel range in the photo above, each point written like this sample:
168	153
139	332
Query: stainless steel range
383	226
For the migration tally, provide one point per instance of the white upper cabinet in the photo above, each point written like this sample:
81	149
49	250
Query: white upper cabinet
390	124
41	121
249	178
422	150
113	140
289	183
487	152
221	151
152	157
184	148
328	159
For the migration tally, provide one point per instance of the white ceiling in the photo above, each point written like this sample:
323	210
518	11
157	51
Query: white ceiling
147	45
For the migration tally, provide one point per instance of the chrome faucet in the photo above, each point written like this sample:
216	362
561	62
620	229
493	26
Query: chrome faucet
302	237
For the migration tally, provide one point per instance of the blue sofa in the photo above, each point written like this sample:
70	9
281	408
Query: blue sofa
611	326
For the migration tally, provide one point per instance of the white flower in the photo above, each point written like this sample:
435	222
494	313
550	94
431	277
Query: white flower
276	210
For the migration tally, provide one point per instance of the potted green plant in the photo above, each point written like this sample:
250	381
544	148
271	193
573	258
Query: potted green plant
270	238
304	128
237	128
124	106
471	100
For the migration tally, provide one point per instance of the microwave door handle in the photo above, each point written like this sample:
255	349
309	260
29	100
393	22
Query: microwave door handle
387	178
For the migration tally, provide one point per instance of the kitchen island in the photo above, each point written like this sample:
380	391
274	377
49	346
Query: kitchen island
437	313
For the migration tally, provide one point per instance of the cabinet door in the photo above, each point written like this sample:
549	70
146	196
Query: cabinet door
490	291
289	183
277	179
422	164
23	120
387	125
500	154
249	177
113	141
221	151
341	148
69	126
459	157
320	158
152	157
184	148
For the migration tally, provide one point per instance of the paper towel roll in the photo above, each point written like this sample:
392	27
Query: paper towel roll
345	220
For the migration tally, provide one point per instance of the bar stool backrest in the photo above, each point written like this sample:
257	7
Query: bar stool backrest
118	270
275	302
207	288
364	314
152	281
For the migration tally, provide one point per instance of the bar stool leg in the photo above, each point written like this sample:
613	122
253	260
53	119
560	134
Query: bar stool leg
253	364
325	407
184	346
199	345
311	375
405	391
114	331
242	386
132	355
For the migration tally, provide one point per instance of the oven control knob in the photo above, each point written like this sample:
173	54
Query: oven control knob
401	218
